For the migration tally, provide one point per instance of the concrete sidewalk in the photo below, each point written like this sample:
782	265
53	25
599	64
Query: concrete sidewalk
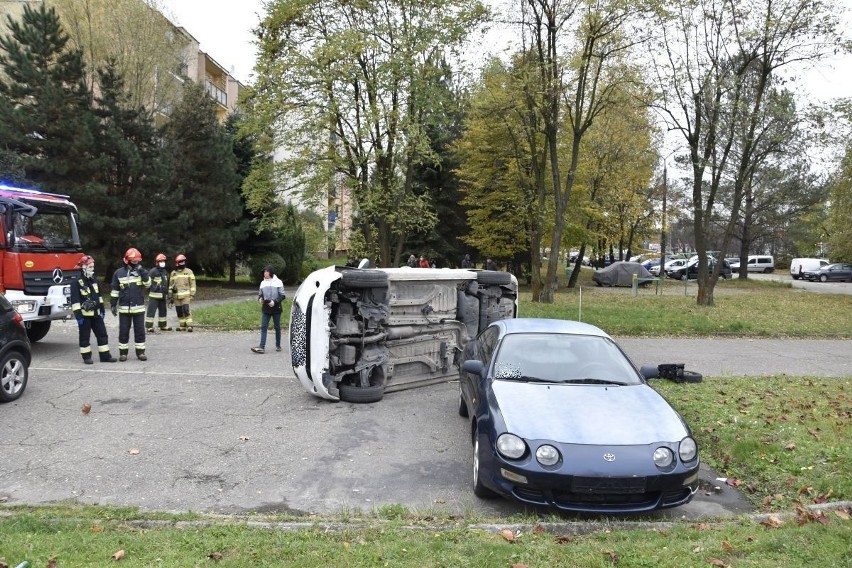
206	425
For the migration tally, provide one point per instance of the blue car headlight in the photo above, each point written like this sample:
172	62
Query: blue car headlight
511	446
547	455
663	457
688	450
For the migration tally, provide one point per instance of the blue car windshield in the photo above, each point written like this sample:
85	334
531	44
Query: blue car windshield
562	358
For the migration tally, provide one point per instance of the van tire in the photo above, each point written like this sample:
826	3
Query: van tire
360	278
494	277
361	395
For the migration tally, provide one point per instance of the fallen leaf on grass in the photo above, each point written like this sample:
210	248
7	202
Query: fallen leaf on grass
613	557
538	529
519	566
96	529
842	513
86	408
813	433
118	555
717	562
133	451
824	497
734	482
791	446
564	539
727	546
772	522
52	563
508	535
215	556
701	526
698	549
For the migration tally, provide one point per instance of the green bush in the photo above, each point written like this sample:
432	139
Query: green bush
257	263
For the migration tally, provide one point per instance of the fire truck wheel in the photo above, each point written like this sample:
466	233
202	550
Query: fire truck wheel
37	330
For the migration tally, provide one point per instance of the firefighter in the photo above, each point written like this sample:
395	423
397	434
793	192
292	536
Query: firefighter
183	291
88	307
157	296
127	301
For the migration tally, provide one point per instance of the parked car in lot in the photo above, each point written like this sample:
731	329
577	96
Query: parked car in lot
15	355
358	333
756	263
837	272
799	266
670	265
690	269
560	417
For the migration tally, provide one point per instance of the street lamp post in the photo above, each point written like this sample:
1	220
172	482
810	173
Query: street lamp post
663	228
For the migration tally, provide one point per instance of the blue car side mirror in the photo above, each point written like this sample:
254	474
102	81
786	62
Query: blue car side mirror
473	366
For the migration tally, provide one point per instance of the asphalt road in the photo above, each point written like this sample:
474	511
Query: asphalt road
206	425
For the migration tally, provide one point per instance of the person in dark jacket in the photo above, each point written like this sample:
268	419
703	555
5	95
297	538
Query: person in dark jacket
270	297
158	296
127	301
466	263
88	307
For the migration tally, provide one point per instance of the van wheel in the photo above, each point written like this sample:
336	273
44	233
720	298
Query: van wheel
361	395
364	278
37	330
494	277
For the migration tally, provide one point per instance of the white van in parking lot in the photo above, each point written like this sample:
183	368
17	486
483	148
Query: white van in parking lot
757	263
357	333
798	266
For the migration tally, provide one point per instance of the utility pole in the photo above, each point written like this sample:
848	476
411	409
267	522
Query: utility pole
663	231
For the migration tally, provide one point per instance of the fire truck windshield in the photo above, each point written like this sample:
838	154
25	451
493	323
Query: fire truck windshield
53	228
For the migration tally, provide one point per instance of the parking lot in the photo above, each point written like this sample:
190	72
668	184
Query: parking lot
206	425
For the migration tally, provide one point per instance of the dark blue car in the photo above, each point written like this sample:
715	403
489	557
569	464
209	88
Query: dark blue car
561	418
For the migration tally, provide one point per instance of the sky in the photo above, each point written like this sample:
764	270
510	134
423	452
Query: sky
224	30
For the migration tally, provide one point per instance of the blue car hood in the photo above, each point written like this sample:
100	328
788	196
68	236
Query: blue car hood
587	414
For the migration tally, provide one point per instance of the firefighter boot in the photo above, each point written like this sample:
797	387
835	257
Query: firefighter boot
122	355
140	354
106	357
164	327
87	358
149	330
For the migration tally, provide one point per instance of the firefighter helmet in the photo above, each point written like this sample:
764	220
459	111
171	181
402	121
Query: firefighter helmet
84	260
132	255
161	258
180	260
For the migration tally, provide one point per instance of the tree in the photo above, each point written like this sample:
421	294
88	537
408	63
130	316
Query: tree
136	36
716	60
345	85
580	86
495	165
839	227
128	203
204	185
46	121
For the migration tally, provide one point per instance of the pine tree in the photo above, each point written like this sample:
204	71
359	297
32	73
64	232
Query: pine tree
129	205
204	184
45	107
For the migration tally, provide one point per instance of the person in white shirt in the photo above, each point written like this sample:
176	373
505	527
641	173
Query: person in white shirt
270	297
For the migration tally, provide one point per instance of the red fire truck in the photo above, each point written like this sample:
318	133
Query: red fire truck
39	248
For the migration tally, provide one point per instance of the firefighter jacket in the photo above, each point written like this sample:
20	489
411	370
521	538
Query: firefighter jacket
86	300
183	284
128	284
159	283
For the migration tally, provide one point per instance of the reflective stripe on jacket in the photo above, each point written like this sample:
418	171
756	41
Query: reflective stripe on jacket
159	283
82	291
128	289
183	283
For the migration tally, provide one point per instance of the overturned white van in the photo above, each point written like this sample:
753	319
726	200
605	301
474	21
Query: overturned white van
358	333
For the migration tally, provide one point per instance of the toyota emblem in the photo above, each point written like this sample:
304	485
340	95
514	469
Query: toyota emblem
57	275
609	457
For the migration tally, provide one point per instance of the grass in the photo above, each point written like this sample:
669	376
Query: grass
785	441
742	309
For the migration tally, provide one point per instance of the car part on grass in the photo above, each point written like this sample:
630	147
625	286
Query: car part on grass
358	333
675	372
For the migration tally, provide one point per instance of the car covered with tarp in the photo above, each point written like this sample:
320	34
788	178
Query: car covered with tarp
621	274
